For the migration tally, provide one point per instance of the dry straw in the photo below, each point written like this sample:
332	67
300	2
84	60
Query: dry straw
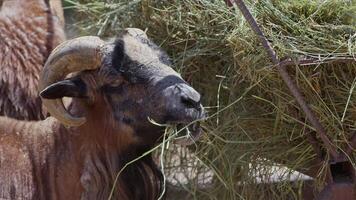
254	120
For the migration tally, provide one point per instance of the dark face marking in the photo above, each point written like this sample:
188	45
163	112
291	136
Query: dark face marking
118	54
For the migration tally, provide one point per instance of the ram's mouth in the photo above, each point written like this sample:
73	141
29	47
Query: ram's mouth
187	125
188	134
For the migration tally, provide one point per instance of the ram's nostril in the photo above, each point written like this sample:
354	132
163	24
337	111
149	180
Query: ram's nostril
188	96
189	102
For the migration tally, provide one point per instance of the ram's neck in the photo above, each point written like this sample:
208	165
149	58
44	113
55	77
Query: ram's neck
104	154
108	171
101	149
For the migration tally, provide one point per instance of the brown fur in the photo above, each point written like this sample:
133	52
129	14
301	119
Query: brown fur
29	30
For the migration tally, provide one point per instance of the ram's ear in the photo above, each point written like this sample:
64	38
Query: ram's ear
73	87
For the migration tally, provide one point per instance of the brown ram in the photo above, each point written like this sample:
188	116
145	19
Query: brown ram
116	88
29	30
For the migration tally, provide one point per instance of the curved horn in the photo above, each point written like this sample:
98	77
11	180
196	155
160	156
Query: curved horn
83	53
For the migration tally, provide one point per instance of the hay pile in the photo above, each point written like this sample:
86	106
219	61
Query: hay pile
254	120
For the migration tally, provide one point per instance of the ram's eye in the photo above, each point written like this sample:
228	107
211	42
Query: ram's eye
116	83
113	87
